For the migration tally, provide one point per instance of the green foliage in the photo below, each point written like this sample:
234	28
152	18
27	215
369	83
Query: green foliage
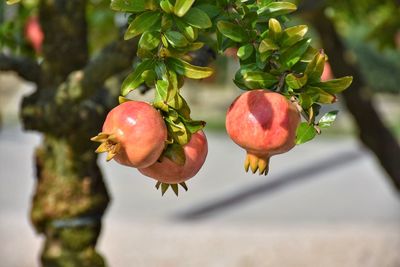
381	17
272	56
12	29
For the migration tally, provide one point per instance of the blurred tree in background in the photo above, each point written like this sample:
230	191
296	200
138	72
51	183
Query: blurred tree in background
83	48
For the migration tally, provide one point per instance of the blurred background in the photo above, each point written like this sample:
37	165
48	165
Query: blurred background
331	202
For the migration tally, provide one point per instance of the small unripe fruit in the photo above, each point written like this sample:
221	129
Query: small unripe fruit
264	123
134	134
34	34
327	73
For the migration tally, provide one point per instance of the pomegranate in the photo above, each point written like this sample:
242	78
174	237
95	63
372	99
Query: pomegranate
134	134
168	172
231	52
34	34
327	73
264	123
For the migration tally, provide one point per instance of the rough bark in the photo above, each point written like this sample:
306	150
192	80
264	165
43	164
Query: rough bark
26	68
372	131
68	203
70	196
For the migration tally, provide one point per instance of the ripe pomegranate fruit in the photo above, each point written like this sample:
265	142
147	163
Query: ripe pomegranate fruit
264	123
34	34
134	134
168	172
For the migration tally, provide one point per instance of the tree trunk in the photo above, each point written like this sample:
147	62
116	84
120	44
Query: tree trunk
372	131
70	197
68	204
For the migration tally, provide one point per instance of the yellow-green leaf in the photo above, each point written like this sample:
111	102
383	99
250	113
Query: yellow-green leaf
135	78
182	6
293	34
305	132
335	86
232	31
197	18
11	2
142	23
191	71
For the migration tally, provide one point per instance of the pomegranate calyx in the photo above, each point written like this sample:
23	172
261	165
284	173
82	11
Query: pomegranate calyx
164	187
255	163
109	144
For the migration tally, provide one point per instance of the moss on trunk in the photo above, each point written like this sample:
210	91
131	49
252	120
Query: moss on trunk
68	204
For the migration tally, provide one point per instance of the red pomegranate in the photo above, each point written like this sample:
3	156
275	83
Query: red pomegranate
34	34
134	134
264	123
327	73
169	172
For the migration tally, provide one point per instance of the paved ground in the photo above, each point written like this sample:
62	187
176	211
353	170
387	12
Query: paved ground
324	204
306	213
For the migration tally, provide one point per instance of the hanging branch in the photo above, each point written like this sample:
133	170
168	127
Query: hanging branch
26	68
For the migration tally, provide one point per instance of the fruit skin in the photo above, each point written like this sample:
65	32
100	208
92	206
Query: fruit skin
327	73
264	123
169	172
140	130
231	52
34	34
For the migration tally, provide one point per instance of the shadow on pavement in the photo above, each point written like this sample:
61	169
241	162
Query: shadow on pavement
250	193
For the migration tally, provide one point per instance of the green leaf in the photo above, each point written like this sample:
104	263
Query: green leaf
11	2
178	131
320	96
293	54
166	6
232	31
305	101
292	35
244	52
176	39
197	18
305	133
327	120
275	9
296	82
211	10
182	6
175	153
149	76
161	94
142	23
335	86
128	6
316	66
149	40
166	23
188	31
194	126
135	78
191	71
259	79
267	45
275	29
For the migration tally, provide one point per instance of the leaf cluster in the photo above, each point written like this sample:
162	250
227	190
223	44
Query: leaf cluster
278	58
272	56
169	32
